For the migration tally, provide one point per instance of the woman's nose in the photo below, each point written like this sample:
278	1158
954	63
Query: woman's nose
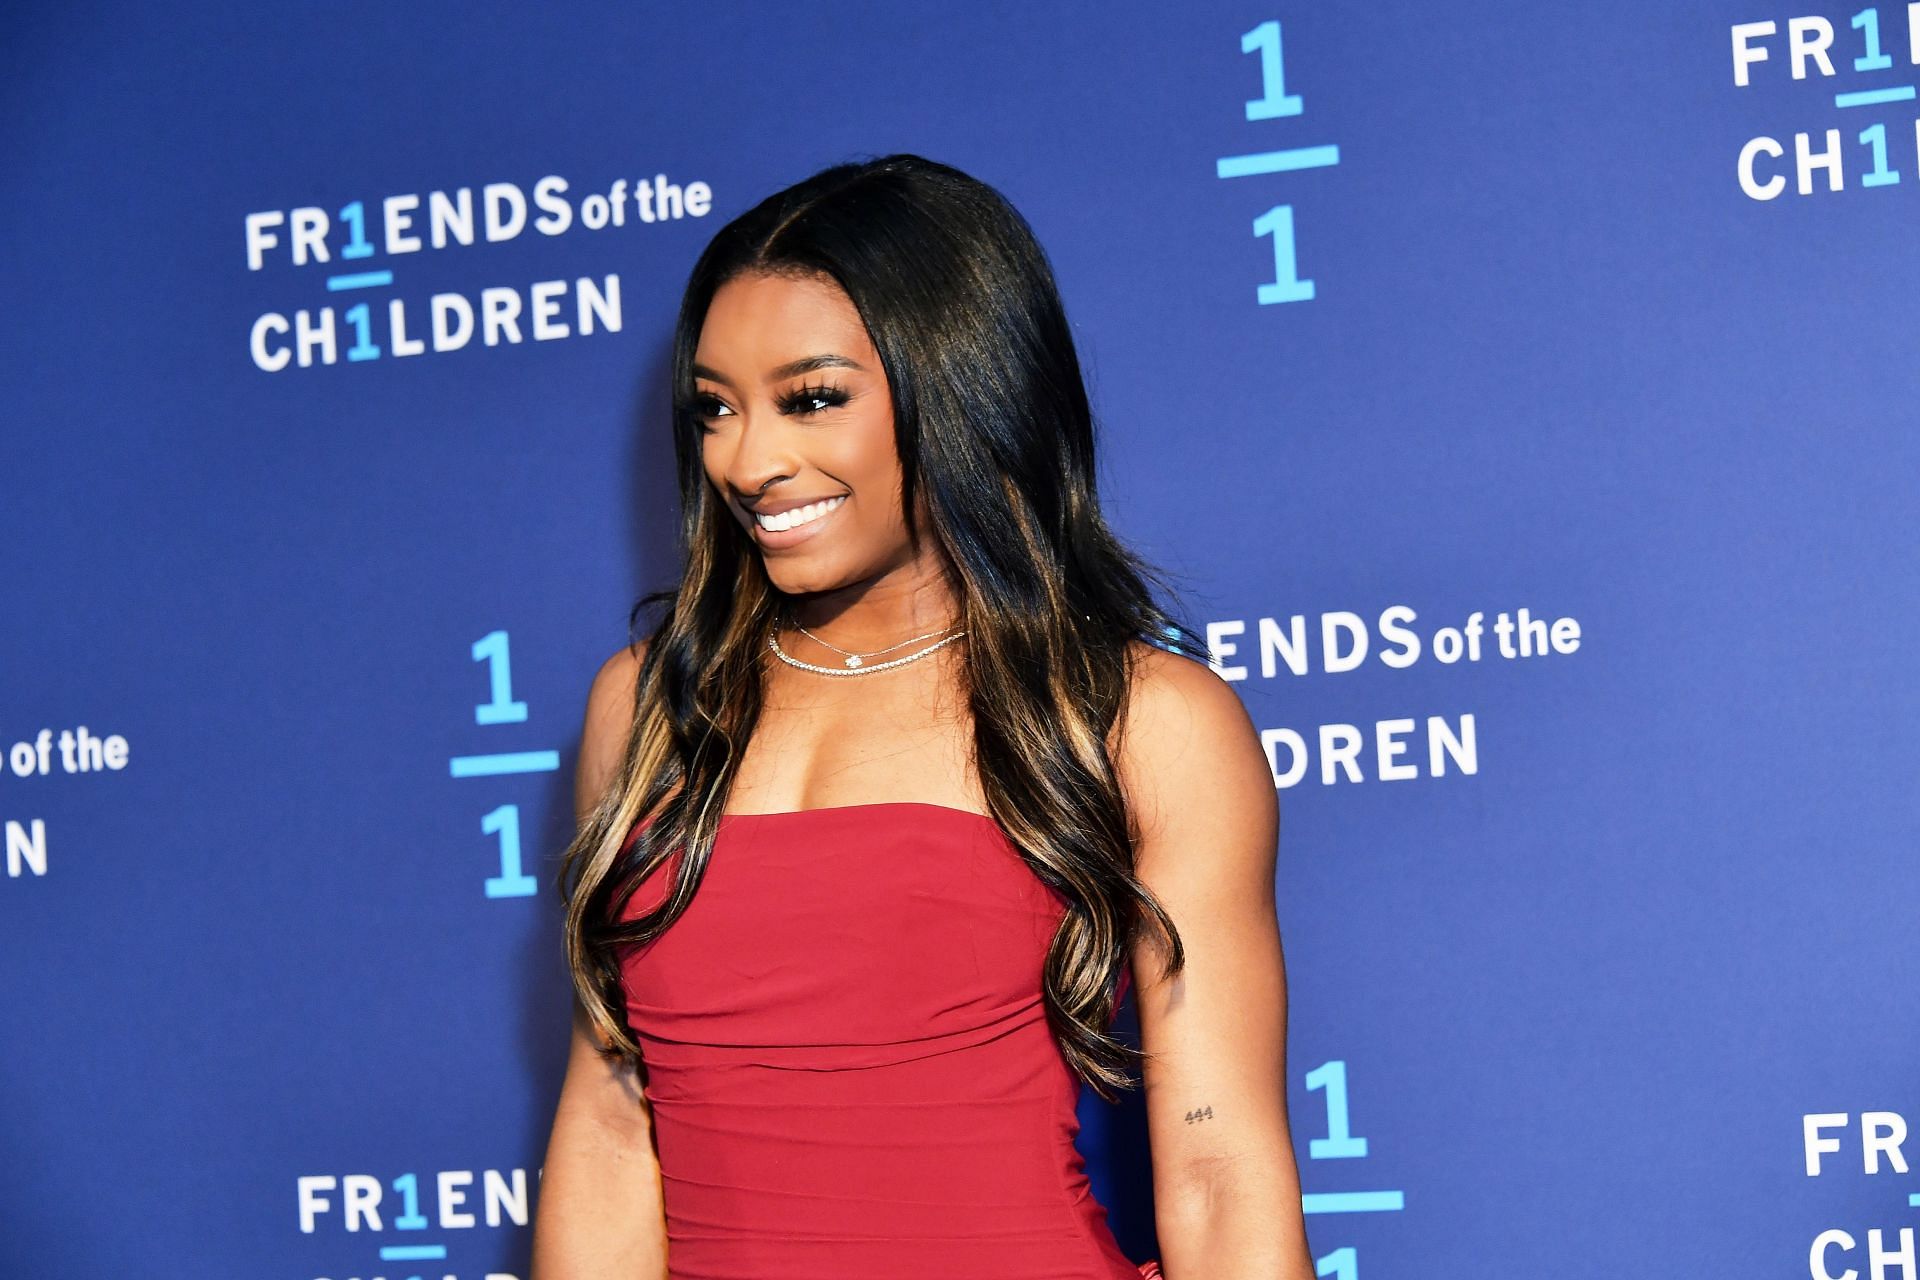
763	452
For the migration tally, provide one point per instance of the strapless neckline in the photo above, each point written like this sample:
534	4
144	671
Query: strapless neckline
856	808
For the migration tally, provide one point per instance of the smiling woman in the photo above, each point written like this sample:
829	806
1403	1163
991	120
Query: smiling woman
847	949
830	412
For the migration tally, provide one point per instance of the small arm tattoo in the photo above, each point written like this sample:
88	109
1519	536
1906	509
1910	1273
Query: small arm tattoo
1200	1113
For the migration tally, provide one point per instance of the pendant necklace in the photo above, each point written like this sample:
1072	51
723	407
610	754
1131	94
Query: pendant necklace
856	663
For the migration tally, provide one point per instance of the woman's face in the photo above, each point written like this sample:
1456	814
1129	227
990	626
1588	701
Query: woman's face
797	425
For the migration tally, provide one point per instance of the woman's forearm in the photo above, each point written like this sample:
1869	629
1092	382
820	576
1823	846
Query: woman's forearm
599	1213
1239	1224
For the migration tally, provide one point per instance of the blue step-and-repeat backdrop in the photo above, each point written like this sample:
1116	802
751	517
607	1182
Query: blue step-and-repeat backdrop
1526	398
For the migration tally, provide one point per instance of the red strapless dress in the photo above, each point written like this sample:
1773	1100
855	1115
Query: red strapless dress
849	1065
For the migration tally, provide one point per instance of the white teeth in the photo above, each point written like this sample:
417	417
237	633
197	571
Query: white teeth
798	516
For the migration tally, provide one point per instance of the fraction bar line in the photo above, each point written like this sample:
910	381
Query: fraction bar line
362	280
1868	97
1353	1201
1278	161
504	762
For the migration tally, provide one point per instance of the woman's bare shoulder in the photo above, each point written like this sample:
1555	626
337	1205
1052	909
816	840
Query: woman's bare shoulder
1165	682
622	667
609	719
1186	735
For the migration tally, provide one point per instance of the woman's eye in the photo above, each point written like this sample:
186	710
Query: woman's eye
704	407
810	400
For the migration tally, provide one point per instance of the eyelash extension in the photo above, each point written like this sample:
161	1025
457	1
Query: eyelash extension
834	397
696	405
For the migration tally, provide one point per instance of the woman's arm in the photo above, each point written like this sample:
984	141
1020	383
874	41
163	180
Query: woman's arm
599	1214
1226	1187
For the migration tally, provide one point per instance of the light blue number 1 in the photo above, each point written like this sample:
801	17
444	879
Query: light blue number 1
364	347
511	882
408	1185
1875	136
1341	1264
503	709
1339	1142
1287	285
1867	22
355	216
1274	100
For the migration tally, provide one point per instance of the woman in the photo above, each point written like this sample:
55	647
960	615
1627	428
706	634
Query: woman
877	818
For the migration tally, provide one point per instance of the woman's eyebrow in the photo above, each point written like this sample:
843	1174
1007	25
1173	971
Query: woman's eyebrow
791	369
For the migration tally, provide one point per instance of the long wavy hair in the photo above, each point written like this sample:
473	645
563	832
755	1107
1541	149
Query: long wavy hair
991	416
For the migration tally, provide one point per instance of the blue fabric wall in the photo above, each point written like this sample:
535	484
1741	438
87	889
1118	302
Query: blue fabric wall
1431	326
